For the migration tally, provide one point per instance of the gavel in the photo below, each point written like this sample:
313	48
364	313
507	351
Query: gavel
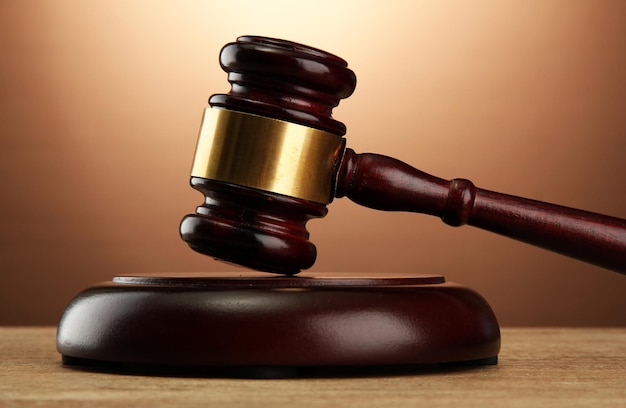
270	157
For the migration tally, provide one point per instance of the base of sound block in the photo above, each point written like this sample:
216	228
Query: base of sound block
264	322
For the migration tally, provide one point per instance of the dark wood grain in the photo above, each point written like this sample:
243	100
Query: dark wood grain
258	320
253	228
385	183
285	80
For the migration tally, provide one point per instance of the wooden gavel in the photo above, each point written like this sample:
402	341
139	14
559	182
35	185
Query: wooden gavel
270	157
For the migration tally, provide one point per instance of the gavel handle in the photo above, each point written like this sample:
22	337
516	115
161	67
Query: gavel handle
388	184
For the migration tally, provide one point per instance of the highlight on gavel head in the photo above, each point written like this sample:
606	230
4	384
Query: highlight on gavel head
267	154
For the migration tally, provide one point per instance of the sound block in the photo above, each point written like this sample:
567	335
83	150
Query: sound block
260	320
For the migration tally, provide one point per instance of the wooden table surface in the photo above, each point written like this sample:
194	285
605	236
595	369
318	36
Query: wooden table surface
538	367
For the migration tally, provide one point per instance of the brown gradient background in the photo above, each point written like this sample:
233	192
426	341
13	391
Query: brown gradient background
101	101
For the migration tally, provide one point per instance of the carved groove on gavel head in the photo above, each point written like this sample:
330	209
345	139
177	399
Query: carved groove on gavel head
267	154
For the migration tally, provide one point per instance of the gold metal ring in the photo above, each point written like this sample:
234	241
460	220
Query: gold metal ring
267	154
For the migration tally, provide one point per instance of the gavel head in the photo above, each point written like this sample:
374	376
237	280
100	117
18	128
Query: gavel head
267	154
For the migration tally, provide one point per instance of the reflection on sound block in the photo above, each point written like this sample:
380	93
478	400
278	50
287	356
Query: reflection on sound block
263	325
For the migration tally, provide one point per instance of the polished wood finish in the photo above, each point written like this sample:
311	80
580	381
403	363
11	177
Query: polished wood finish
385	183
538	367
256	229
257	322
282	80
285	80
292	82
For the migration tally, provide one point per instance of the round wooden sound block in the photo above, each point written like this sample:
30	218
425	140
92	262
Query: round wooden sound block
261	320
